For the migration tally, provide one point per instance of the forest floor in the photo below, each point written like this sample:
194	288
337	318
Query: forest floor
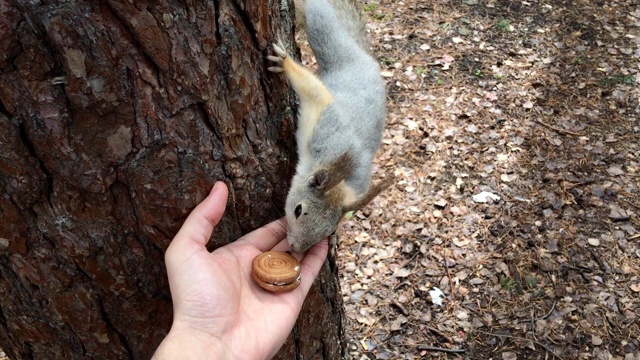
513	231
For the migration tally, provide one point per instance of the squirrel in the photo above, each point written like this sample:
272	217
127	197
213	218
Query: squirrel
341	119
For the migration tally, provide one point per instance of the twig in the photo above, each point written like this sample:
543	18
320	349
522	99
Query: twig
431	348
532	320
533	324
439	333
517	278
553	307
557	129
630	203
400	307
525	339
636	236
413	256
604	266
579	268
451	290
627	136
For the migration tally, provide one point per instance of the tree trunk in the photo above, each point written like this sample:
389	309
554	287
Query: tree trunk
116	118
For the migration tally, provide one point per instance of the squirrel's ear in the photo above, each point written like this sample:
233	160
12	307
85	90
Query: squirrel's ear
319	180
373	191
332	174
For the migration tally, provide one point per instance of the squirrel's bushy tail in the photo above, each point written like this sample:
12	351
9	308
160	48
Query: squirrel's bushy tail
348	15
336	35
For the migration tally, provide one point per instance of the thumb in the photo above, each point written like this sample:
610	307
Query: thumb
203	218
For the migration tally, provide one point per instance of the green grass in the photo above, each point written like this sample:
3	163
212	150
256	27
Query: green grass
388	60
503	25
617	79
370	7
507	283
531	282
434	74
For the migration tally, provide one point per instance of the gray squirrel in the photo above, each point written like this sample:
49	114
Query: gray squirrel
340	122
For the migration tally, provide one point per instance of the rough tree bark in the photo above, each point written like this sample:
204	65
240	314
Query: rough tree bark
116	117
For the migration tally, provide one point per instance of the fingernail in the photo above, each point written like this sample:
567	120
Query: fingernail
216	188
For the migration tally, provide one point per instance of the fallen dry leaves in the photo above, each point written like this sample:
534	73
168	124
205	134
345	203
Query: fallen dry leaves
513	230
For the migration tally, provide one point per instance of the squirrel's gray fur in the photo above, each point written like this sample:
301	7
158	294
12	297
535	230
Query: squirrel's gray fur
340	123
355	120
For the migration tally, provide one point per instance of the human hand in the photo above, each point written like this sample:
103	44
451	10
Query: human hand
218	310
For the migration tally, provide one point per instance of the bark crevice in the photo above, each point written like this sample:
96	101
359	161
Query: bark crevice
112	327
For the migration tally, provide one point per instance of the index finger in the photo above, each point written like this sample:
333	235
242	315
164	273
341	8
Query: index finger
311	265
266	237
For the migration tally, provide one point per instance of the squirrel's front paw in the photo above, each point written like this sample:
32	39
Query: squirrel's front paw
281	54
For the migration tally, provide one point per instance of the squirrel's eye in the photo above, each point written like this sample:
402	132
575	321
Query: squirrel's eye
298	211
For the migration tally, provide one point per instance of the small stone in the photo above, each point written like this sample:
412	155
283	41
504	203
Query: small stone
484	197
615	171
449	133
442	203
618	214
596	340
507	177
593	241
462	315
597	191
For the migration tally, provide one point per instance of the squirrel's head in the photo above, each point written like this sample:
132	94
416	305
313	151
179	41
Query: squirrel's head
316	205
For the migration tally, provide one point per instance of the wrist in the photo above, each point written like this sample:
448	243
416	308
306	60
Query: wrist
185	344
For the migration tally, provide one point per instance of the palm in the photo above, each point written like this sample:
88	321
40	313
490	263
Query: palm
215	295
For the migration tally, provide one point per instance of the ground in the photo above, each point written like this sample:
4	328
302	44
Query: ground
513	230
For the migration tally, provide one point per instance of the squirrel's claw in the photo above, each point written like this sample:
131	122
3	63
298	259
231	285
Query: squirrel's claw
275	59
276	69
279	49
281	54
